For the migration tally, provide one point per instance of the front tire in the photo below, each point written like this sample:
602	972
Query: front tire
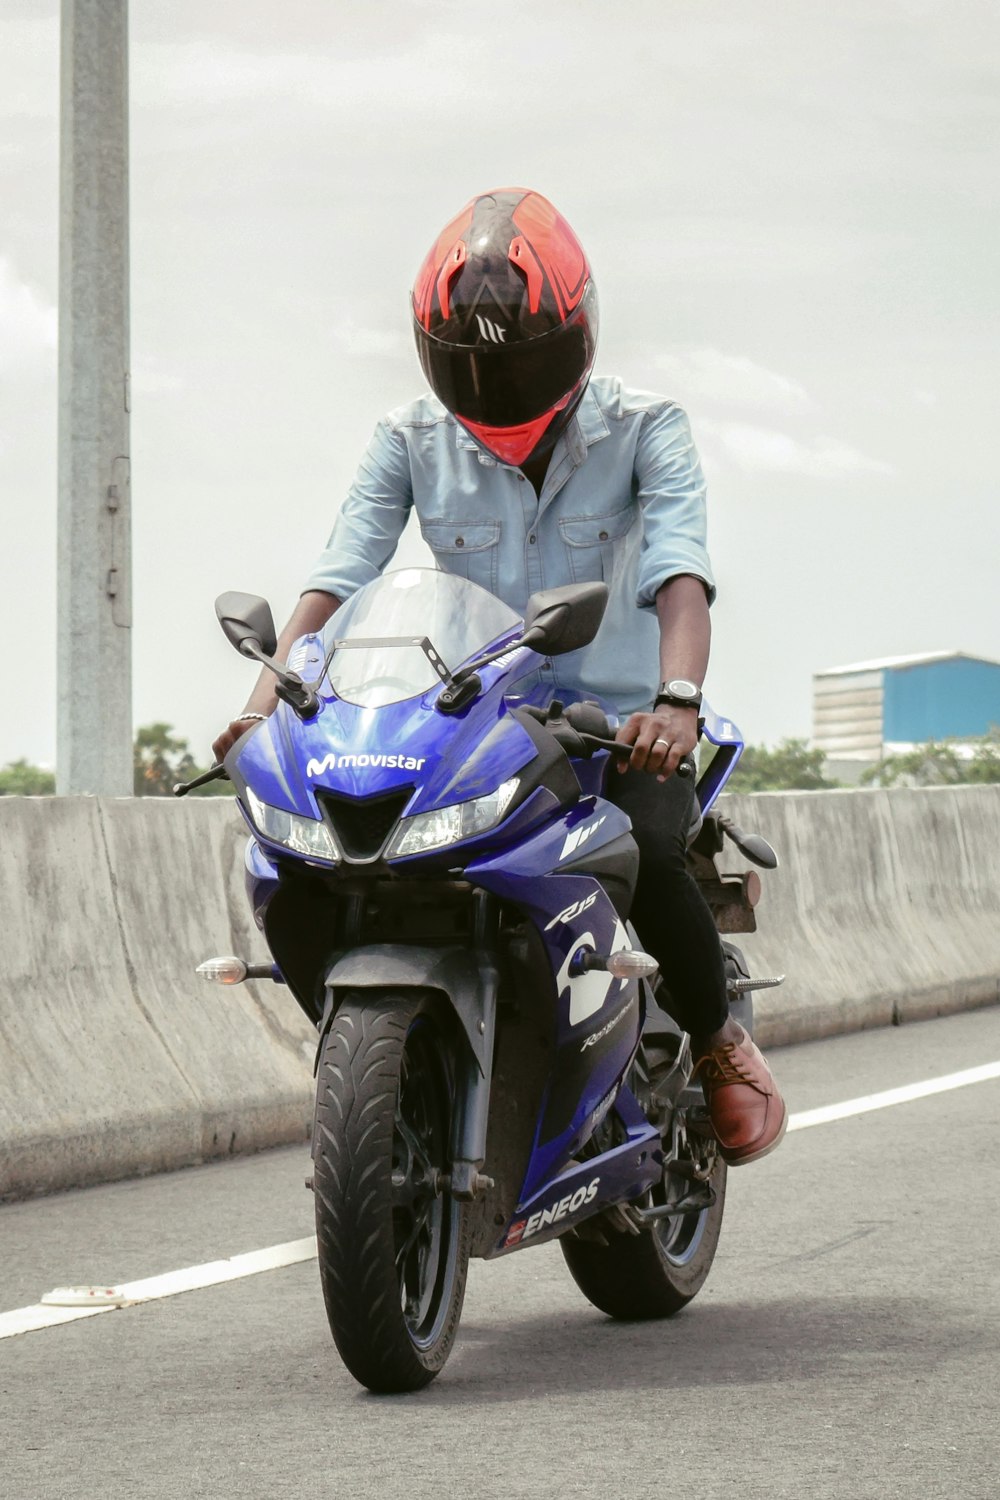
393	1244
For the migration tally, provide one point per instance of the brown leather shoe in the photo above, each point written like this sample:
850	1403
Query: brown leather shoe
747	1112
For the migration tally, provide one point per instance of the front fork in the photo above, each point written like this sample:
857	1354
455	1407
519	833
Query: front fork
474	1073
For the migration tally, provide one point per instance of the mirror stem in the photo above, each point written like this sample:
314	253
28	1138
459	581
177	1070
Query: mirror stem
290	689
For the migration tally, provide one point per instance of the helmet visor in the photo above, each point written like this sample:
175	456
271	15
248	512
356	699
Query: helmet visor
499	385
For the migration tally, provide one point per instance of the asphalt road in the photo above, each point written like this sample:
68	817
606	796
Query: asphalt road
847	1342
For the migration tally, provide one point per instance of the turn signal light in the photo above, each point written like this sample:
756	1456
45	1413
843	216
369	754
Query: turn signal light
229	970
627	963
631	964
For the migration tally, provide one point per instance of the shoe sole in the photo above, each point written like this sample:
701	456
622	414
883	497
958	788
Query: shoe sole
744	1161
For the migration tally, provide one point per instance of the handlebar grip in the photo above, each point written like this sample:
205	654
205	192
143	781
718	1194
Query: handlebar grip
624	752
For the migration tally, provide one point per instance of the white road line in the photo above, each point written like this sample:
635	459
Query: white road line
215	1272
28	1319
189	1279
903	1095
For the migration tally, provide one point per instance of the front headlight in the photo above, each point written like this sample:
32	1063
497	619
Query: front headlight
308	836
449	825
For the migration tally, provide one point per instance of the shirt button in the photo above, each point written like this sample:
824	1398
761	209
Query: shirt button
520	478
531	537
460	541
602	536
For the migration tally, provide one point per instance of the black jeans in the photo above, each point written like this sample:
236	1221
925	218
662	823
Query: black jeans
670	914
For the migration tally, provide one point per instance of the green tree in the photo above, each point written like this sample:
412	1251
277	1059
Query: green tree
789	767
161	758
938	763
21	779
985	763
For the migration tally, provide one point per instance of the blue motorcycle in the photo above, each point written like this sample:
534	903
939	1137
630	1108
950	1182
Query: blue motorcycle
446	892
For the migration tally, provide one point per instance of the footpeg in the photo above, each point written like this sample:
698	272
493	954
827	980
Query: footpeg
743	986
693	1203
699	1123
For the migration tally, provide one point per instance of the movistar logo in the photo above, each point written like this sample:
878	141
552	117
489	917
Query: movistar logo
336	762
491	331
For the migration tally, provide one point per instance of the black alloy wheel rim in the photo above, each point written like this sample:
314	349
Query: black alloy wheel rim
424	1216
678	1238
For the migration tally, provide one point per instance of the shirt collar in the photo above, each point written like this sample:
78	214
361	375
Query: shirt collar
463	440
587	427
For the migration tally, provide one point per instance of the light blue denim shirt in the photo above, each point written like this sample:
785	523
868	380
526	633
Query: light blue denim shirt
623	501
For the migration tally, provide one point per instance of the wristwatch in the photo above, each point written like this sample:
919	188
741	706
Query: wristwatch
678	693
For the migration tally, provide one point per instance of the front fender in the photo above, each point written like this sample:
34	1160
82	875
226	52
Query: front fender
466	978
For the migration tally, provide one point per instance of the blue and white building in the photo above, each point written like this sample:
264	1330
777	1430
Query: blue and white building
875	708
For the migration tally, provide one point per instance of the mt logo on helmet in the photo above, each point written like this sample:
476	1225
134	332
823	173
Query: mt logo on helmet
505	319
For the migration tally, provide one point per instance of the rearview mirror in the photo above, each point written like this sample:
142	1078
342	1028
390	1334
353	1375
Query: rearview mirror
564	619
247	621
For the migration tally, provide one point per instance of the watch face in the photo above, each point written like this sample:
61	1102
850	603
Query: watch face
679	687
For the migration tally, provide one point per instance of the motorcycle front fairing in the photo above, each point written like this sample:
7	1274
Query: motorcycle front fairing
598	1018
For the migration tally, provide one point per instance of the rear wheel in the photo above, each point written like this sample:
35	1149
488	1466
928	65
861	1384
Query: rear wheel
393	1244
630	1269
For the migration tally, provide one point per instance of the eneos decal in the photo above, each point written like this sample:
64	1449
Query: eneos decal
523	1229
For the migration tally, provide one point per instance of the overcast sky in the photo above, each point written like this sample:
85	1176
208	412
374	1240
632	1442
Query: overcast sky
791	212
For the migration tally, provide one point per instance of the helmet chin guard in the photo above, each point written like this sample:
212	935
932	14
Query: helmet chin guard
505	319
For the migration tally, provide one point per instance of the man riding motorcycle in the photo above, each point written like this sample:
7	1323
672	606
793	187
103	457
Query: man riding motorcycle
525	472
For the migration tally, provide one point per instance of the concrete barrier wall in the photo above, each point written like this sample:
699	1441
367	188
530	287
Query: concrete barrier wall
116	1060
885	908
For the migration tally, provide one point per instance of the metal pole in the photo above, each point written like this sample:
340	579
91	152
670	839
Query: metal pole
94	729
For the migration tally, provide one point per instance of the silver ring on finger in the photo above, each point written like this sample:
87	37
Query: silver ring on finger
663	742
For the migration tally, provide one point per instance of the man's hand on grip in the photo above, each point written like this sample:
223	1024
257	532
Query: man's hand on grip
660	740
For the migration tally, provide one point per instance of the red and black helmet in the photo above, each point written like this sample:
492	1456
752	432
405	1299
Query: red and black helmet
505	318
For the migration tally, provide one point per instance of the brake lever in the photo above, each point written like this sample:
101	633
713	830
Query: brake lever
574	740
624	752
217	773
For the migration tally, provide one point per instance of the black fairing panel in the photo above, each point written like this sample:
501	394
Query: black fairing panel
551	766
363	825
301	923
616	865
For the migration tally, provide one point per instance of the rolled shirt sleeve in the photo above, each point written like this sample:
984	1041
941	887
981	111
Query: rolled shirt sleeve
670	488
367	531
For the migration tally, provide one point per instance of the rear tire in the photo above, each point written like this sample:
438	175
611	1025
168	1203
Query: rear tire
393	1245
657	1271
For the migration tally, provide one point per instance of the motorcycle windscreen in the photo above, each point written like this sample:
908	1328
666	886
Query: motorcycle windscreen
385	638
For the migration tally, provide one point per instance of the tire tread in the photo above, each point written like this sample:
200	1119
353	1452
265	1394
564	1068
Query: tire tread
357	1084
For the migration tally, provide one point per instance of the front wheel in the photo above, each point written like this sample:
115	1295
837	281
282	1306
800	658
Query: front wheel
393	1243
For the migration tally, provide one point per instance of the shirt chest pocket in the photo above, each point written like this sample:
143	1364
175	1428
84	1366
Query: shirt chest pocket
470	550
594	543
